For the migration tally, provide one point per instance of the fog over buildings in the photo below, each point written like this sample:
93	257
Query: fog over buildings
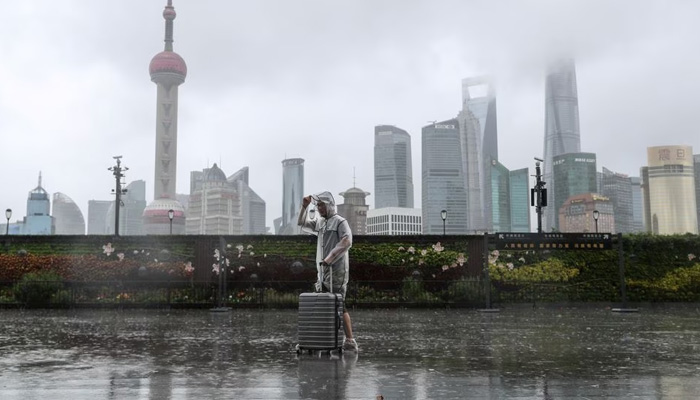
269	81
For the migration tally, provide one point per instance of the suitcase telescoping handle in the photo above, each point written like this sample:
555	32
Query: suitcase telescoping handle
323	264
338	318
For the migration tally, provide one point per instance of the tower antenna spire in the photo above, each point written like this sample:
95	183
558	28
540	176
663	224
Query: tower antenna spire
169	15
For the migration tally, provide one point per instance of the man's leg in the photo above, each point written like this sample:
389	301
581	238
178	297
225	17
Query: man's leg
350	343
347	325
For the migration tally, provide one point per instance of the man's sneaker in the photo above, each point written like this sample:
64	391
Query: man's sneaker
350	344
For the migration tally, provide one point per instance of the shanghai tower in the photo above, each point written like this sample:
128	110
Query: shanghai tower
168	70
561	133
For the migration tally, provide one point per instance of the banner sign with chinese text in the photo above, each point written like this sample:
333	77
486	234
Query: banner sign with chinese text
553	241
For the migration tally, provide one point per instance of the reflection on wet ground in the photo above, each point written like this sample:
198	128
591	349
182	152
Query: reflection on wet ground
404	354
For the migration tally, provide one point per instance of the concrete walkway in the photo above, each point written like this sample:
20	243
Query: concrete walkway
404	354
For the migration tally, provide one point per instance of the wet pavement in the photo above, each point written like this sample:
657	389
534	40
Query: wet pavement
404	354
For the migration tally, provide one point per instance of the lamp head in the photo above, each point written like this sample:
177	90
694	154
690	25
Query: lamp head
8	213
596	214
171	214
443	214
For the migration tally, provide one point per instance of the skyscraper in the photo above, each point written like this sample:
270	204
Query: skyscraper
253	208
97	217
443	179
393	168
671	206
520	200
133	203
500	197
215	206
220	205
38	220
168	70
479	145
67	216
510	197
292	193
562	133
637	205
618	188
573	173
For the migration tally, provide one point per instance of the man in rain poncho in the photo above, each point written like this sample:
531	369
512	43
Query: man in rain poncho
334	241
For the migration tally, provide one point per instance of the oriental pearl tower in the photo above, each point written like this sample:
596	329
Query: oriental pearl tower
168	71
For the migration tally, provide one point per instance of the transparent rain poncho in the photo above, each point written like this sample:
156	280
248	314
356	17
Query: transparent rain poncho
336	251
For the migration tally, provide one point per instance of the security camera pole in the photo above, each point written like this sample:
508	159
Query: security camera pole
118	191
538	194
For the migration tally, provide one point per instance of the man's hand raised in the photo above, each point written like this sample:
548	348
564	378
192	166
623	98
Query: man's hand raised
306	201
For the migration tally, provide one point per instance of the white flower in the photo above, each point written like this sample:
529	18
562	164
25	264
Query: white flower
423	252
401	248
228	246
411	250
252	254
217	254
265	255
120	256
461	259
239	248
250	246
108	249
215	268
445	267
691	256
227	262
189	267
510	266
136	252
521	259
241	268
438	247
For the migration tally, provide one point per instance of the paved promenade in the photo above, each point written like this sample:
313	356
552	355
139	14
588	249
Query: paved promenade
404	354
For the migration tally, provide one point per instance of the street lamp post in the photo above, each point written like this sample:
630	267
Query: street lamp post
8	215
443	215
171	214
118	172
596	214
538	194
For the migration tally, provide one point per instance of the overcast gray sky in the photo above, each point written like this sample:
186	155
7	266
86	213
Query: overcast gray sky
272	79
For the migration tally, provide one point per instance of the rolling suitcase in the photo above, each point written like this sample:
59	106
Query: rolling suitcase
320	321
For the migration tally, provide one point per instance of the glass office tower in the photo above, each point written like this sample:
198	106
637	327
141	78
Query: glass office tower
292	193
478	128
393	169
573	173
562	134
443	179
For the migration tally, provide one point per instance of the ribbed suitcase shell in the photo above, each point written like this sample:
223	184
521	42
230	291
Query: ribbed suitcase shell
320	321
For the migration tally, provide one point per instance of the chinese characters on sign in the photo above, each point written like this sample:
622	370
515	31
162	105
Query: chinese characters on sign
553	241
